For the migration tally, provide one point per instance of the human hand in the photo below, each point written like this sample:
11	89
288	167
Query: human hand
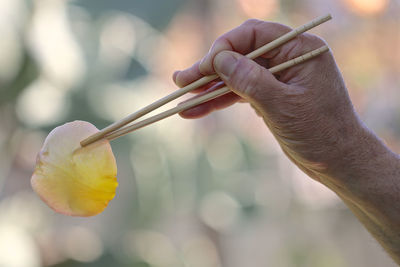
308	110
306	107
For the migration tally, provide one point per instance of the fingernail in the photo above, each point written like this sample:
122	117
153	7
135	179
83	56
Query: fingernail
225	63
175	75
178	81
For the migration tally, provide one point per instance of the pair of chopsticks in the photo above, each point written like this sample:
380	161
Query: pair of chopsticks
117	129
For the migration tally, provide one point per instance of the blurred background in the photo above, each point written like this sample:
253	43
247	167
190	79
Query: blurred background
215	192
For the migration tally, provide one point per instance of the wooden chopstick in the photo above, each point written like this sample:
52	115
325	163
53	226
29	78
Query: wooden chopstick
202	81
207	97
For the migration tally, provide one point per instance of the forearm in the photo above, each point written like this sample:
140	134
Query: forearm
387	236
367	179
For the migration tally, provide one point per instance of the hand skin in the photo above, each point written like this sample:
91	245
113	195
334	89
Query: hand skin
308	110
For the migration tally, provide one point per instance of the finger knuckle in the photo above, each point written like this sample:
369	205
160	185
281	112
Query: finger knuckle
252	22
312	40
278	26
221	39
221	43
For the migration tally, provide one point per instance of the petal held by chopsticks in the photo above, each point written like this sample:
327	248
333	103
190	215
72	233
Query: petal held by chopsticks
73	180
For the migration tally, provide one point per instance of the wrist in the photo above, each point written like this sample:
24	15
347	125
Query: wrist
360	164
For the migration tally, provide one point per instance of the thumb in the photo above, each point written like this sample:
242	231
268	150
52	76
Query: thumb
246	78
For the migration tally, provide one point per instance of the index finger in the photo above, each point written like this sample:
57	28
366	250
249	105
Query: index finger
249	36
243	39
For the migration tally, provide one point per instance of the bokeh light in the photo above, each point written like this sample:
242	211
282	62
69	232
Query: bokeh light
224	152
200	251
261	9
42	104
153	248
367	7
10	54
214	192
82	244
219	211
54	45
17	248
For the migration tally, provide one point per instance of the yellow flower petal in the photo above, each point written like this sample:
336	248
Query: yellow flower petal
73	180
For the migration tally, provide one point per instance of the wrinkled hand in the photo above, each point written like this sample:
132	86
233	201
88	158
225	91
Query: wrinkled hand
306	107
308	110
